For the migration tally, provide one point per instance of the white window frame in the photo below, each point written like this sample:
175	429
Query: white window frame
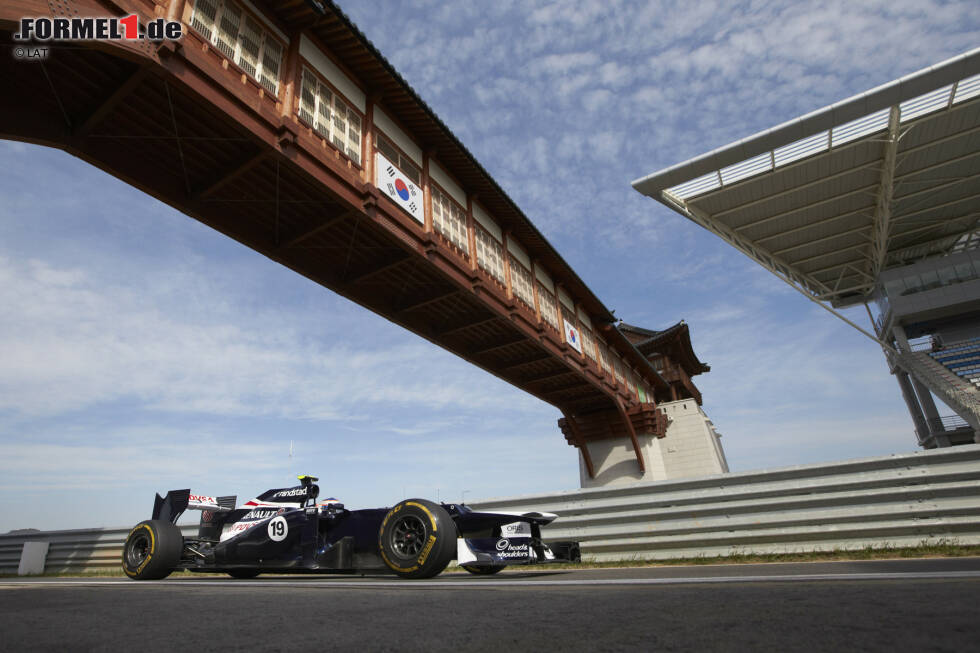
605	358
330	115
269	53
521	281
490	254
588	340
449	219
548	304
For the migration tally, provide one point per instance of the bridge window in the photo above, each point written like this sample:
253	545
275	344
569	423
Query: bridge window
241	38
449	219
549	311
603	356
618	368
490	254
330	116
521	282
400	161
588	342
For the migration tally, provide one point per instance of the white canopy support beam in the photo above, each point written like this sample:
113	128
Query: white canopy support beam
810	288
886	189
759	254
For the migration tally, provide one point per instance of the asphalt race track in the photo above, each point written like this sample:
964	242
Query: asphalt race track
902	605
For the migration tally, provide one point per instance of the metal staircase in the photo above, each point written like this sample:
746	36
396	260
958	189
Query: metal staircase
955	392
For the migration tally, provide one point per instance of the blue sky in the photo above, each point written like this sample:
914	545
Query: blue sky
140	351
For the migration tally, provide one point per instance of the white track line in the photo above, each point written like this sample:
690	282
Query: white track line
482	584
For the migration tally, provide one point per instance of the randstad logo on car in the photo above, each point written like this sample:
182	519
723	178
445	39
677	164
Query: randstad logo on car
98	29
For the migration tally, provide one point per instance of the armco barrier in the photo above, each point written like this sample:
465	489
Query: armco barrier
90	549
899	500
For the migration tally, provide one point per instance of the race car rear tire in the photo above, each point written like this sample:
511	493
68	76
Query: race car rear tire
483	570
417	539
152	550
243	573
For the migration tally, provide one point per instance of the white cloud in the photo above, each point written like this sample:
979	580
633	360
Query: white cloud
71	340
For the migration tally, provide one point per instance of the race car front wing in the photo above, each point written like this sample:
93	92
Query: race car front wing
500	551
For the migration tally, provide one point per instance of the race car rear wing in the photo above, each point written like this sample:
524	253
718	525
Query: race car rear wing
171	507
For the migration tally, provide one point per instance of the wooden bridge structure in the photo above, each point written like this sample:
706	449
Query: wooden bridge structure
280	125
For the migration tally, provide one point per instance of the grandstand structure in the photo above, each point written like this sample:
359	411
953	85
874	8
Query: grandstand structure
874	200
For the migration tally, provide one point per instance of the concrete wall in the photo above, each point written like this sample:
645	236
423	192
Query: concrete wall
614	462
691	447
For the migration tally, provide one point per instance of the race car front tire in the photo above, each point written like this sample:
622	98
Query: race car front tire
152	550
417	539
483	570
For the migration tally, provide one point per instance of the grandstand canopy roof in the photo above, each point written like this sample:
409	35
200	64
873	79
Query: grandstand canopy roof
829	200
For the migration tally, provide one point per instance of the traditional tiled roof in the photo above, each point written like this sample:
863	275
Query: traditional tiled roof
674	341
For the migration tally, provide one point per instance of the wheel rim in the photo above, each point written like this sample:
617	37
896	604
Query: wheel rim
408	536
137	551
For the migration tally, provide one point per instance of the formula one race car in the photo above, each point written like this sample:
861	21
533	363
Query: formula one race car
288	531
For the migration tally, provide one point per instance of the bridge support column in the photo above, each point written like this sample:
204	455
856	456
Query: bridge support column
674	439
614	462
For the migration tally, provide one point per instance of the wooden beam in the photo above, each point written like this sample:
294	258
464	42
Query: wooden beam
95	118
549	375
380	270
464	327
503	345
628	423
580	443
312	232
426	302
517	366
218	183
571	386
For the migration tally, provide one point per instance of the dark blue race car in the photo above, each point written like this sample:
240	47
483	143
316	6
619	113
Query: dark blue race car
288	530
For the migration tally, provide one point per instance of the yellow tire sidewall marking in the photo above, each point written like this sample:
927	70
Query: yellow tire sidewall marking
149	531
425	551
432	519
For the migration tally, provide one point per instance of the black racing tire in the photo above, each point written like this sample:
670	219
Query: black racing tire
483	570
152	550
243	573
417	539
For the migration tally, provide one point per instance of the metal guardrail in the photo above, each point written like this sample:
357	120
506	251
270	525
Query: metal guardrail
899	500
71	551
